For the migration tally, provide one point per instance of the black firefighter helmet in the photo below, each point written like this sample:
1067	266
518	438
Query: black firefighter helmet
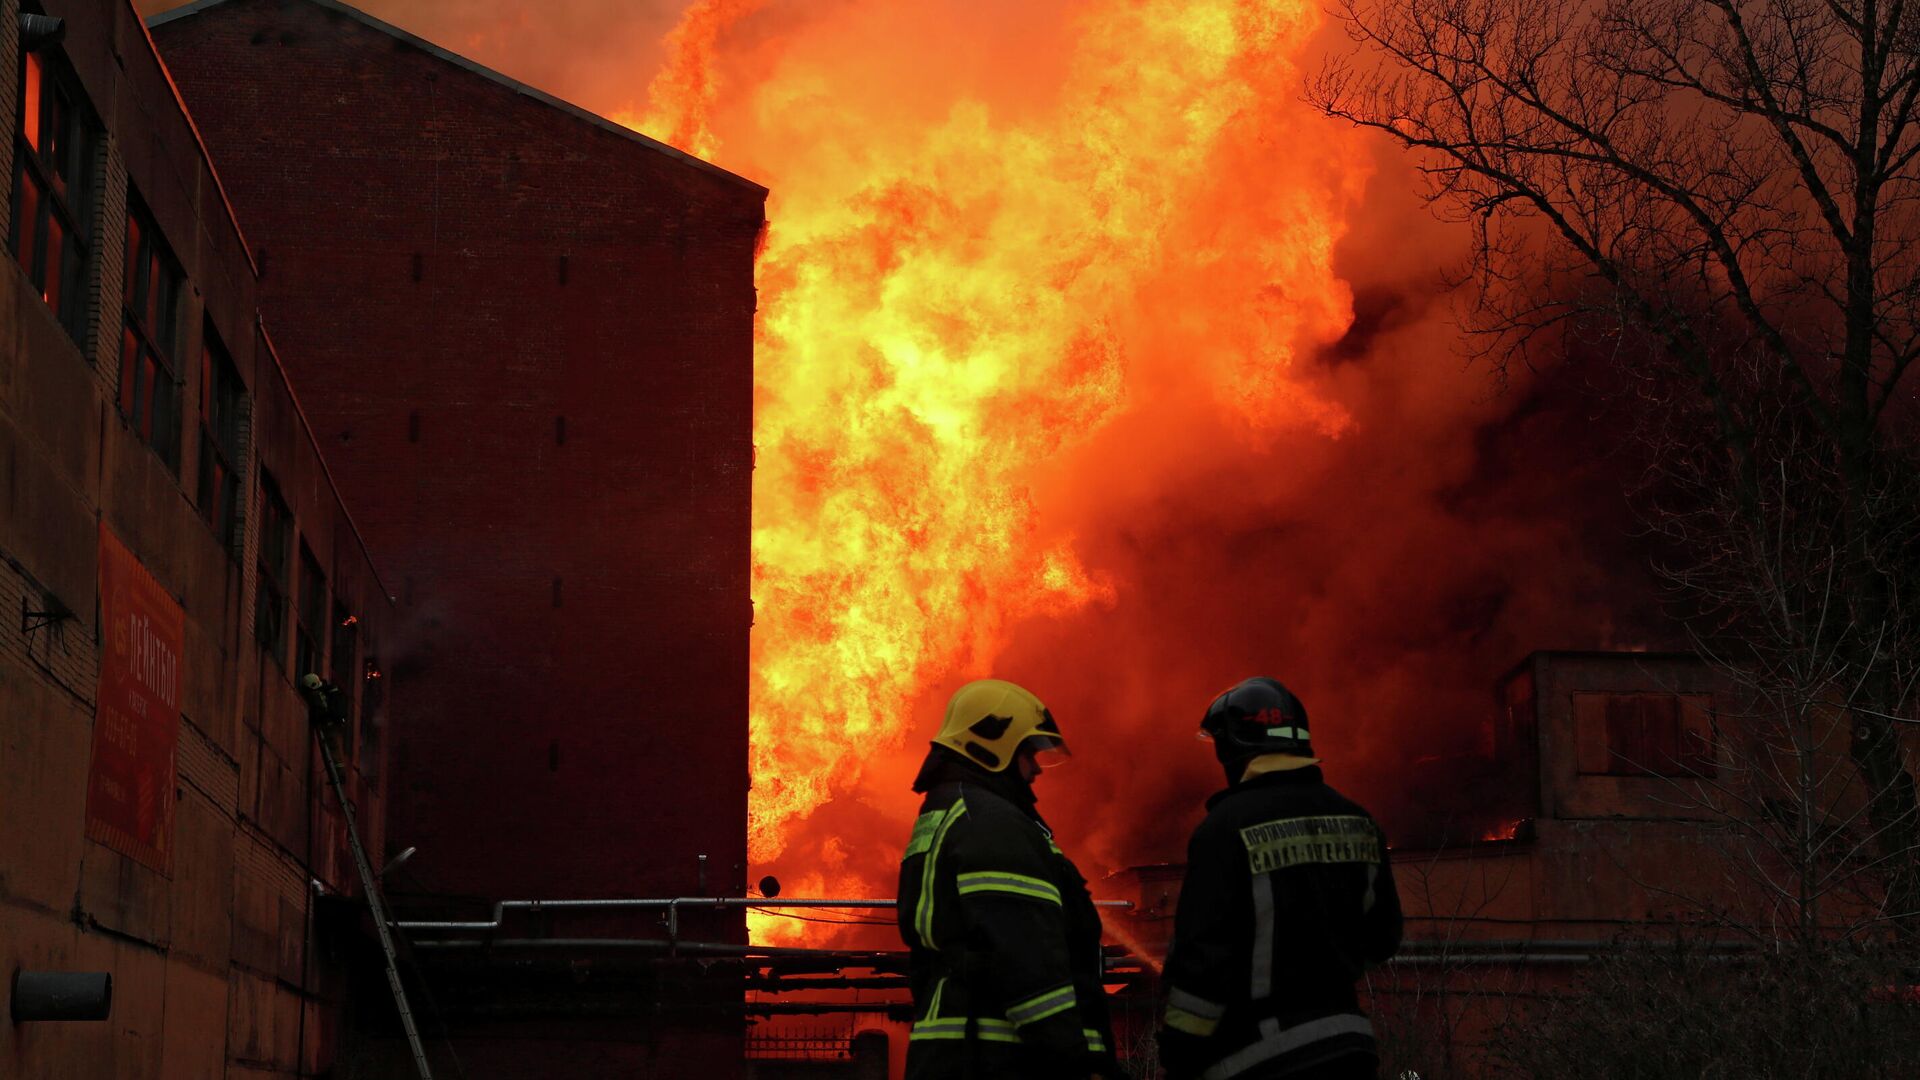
1258	716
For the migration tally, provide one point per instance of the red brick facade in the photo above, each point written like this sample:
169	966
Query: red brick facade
526	338
526	341
219	966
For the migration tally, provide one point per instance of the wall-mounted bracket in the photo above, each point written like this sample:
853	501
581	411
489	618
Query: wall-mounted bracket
55	613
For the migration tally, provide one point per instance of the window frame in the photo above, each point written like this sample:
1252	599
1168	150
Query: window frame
223	415
343	654
310	615
270	585
150	334
65	126
373	696
1645	734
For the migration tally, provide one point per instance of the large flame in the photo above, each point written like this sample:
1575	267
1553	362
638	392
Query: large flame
1058	378
963	282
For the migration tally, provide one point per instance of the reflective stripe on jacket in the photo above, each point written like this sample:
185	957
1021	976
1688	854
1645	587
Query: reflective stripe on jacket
1004	942
1288	897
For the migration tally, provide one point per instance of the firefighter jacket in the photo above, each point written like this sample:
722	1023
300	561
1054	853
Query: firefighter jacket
1003	937
1288	898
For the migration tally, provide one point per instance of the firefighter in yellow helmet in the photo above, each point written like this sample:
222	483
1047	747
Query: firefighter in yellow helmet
1004	938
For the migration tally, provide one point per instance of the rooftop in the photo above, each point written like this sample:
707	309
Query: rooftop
199	7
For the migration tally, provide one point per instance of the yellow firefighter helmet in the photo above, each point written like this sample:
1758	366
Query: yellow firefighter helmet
988	719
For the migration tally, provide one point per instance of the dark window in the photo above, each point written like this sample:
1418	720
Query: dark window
1645	734
373	696
342	663
270	593
53	188
223	403
308	639
1516	745
150	337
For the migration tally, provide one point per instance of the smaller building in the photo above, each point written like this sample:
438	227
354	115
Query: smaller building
176	554
1594	779
1614	795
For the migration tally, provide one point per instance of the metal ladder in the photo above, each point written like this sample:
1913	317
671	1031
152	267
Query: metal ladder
326	707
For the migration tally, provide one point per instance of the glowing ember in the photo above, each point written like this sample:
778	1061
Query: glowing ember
1117	208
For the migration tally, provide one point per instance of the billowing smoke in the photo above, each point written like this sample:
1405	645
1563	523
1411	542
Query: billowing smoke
1090	358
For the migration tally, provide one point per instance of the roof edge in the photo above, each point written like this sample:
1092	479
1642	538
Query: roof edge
469	64
206	156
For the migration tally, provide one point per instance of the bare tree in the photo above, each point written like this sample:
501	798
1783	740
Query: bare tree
1679	1007
1432	1003
1715	201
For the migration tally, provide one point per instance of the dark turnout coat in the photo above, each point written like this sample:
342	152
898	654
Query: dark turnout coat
1003	936
1288	898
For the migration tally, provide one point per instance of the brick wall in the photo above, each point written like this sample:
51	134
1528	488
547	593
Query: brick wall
526	342
60	650
9	90
215	971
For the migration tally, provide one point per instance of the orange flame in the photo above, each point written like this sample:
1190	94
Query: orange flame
1505	831
959	288
683	95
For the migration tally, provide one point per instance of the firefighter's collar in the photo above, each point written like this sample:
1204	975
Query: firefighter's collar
1273	763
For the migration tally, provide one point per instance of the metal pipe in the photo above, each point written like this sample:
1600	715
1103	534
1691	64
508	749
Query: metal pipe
38	32
903	1009
1551	945
717	948
784	985
672	907
40	996
1519	959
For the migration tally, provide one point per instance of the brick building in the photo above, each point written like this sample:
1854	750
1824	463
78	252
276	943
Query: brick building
1583	804
172	552
525	337
1616	796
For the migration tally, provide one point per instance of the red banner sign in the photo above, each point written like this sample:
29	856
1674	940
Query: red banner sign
137	719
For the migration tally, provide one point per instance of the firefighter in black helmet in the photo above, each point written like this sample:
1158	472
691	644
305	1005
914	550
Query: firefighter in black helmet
1288	898
1003	936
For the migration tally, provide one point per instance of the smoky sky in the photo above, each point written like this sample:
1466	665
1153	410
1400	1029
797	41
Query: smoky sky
1389	572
